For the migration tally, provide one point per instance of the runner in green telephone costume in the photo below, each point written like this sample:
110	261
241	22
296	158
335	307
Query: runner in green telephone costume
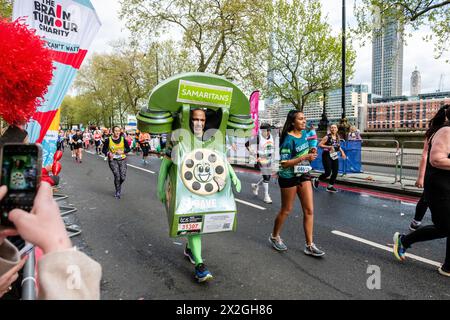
195	178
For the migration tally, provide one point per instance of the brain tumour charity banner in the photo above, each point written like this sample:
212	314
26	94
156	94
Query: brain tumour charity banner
68	27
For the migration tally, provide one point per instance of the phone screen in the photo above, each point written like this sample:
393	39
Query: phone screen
21	173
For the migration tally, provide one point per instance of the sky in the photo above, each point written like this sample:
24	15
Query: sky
417	53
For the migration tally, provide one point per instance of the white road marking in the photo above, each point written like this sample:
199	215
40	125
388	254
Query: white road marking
385	248
139	168
130	165
250	204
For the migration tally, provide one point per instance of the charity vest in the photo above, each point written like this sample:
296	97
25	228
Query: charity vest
115	147
265	149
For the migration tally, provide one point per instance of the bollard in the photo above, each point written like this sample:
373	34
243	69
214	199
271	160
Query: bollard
29	281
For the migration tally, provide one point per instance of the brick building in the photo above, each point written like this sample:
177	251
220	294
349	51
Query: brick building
404	113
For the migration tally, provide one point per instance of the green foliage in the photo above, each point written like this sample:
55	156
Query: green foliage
111	86
5	8
305	58
214	31
433	15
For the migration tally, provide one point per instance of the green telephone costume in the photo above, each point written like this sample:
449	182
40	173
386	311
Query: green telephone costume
195	181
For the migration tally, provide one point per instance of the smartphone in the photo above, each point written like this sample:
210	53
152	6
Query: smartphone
21	169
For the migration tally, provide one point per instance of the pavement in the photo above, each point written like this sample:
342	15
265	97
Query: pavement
129	237
380	182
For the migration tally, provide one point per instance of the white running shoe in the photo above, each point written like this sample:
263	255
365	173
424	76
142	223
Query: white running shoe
255	189
267	199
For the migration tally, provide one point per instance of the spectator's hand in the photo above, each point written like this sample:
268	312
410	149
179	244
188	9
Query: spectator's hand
234	147
8	278
311	157
344	156
44	226
419	183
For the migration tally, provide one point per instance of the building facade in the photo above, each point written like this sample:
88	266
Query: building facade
416	83
356	97
404	113
387	61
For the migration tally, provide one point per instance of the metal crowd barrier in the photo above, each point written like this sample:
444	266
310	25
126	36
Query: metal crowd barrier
385	160
410	161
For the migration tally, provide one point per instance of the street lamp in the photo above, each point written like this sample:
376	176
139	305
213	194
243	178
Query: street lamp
343	59
343	125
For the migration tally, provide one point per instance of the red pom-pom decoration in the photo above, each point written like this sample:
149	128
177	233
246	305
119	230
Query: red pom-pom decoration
25	72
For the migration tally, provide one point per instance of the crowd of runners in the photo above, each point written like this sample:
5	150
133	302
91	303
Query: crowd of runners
95	139
298	145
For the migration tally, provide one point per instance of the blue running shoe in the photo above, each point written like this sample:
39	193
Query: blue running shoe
202	274
188	254
399	249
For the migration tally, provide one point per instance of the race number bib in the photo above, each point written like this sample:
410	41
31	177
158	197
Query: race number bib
302	169
333	155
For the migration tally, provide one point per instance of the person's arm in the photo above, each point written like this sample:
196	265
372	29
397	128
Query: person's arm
234	178
251	142
440	149
166	163
64	273
323	145
358	135
105	148
344	156
10	264
422	165
312	140
286	160
127	146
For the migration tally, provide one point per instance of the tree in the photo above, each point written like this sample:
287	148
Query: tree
112	86
304	58
373	15
5	8
212	29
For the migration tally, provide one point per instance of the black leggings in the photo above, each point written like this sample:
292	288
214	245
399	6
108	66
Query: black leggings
145	150
119	169
331	168
440	214
421	208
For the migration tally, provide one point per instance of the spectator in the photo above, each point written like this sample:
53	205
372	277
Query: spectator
44	228
354	134
331	145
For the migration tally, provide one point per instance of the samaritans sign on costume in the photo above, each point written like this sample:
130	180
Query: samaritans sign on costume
204	95
198	189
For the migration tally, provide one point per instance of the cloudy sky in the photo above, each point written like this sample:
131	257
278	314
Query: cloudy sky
417	53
